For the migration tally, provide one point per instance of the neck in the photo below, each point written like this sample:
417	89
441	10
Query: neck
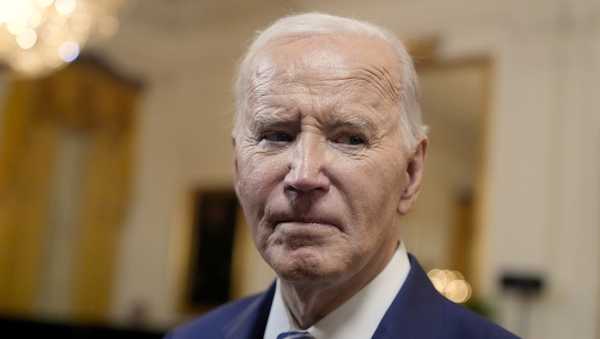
309	303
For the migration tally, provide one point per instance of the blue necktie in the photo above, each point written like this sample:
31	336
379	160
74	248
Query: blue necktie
295	335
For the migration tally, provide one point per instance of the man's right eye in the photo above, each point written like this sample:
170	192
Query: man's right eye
278	137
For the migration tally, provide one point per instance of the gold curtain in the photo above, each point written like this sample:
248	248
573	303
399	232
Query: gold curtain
27	151
88	98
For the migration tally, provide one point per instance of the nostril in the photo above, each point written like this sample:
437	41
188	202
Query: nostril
306	186
291	189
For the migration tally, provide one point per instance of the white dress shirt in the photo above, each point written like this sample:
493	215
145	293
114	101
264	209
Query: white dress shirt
358	317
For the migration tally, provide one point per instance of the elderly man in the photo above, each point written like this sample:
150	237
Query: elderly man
329	152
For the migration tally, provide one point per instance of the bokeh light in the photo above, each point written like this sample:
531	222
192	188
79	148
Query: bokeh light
38	36
451	284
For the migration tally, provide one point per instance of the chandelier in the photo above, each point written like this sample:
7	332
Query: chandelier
38	36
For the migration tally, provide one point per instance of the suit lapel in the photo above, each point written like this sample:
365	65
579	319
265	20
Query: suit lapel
251	323
415	312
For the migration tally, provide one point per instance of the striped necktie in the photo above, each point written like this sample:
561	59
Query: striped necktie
295	335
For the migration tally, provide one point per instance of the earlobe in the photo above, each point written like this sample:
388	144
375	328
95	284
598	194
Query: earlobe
414	174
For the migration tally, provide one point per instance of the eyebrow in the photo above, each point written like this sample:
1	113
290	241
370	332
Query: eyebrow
266	119
270	118
351	121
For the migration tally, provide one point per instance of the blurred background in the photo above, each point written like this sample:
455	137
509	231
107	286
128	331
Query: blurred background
116	199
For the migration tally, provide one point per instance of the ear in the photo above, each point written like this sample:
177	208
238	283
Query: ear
414	173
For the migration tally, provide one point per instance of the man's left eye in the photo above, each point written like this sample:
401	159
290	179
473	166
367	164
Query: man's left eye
352	140
277	137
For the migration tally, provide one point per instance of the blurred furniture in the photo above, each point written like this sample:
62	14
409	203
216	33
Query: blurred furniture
90	101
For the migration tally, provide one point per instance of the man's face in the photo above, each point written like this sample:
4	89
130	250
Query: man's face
321	169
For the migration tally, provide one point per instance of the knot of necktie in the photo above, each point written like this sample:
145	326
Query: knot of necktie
295	335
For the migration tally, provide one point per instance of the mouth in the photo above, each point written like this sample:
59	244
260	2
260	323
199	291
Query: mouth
302	233
307	222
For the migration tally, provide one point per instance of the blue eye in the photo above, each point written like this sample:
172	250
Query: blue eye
278	137
352	140
355	140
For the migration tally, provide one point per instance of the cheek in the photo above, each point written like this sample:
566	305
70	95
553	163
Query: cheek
371	189
373	181
258	176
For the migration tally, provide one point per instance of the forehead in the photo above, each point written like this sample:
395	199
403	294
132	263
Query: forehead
336	69
324	51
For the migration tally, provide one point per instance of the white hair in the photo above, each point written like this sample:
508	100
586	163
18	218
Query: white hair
319	24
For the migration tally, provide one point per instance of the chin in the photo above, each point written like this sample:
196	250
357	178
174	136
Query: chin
304	265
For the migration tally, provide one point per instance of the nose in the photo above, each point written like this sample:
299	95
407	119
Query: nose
306	166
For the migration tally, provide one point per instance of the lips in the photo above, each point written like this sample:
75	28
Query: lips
313	219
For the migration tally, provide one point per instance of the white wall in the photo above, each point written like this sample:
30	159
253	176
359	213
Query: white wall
453	100
543	185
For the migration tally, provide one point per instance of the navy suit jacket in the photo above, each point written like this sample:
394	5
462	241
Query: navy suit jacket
417	312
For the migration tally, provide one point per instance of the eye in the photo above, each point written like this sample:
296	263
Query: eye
277	137
350	139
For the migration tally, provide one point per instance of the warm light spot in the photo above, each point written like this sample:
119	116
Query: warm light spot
69	51
35	19
26	39
65	7
37	36
15	12
451	284
20	15
45	3
15	28
458	275
457	291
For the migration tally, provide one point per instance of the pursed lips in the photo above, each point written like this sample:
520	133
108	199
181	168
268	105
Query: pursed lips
307	220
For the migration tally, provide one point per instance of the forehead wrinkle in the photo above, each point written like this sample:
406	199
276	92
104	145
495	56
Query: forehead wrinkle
338	79
280	103
274	89
324	58
377	77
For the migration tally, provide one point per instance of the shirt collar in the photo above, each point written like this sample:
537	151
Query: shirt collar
359	316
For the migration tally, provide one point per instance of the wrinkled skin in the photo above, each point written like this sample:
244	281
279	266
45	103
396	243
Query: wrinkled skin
321	168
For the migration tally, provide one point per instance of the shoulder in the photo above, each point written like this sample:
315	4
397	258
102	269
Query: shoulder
213	323
432	315
463	323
